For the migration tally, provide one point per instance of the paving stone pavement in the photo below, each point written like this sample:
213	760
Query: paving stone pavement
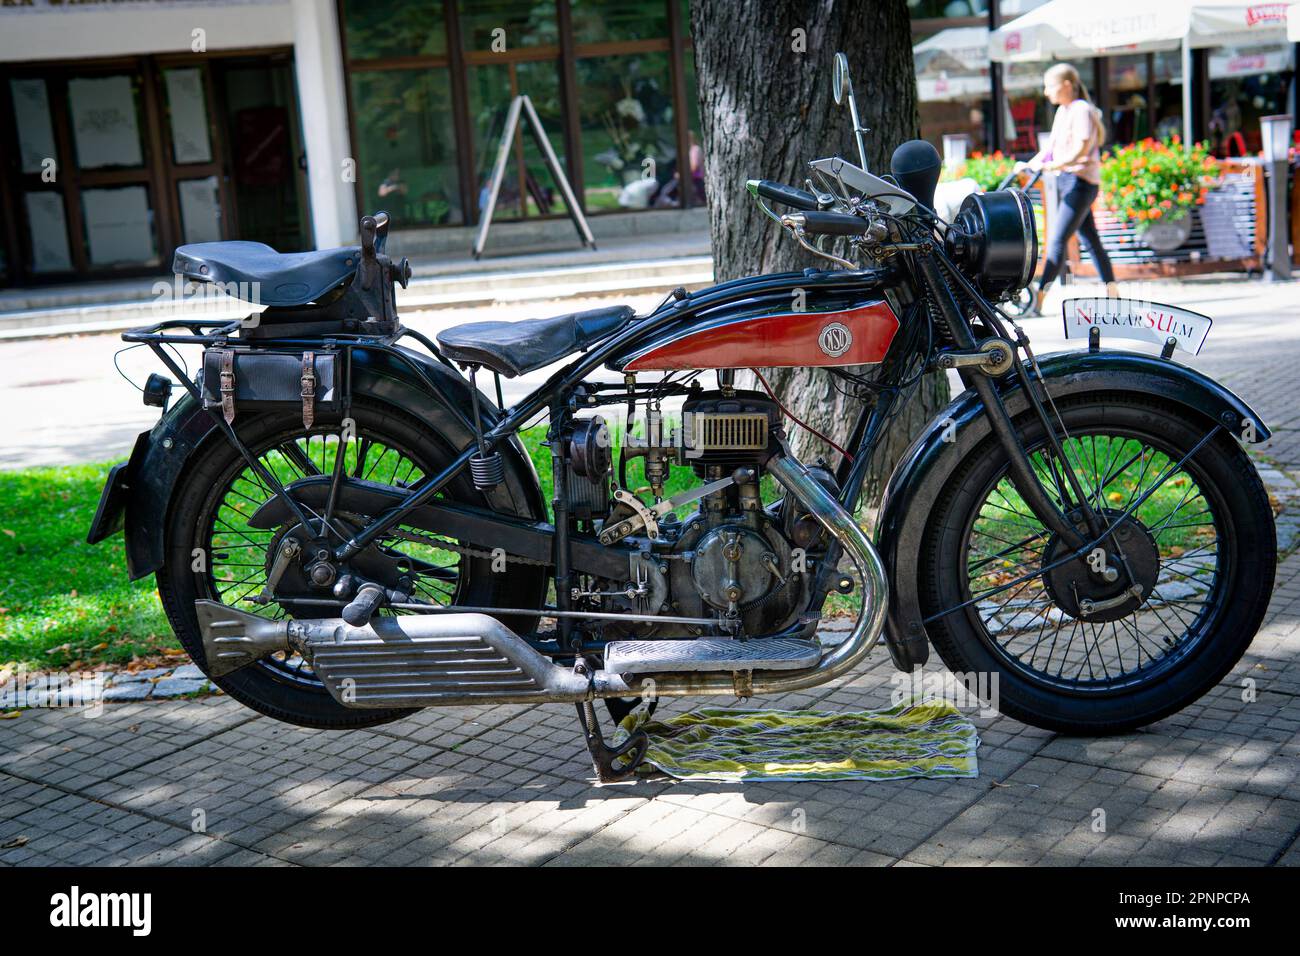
208	782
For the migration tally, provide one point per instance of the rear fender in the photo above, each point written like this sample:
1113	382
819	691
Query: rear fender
160	456
930	461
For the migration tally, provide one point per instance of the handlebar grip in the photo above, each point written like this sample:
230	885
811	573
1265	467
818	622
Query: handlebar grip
834	224
363	607
789	195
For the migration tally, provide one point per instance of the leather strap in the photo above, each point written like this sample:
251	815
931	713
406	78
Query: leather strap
308	388
228	385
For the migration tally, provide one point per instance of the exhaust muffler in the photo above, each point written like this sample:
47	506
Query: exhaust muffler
424	660
453	658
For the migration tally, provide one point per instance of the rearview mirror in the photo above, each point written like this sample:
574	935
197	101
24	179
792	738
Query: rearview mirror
840	82
842	89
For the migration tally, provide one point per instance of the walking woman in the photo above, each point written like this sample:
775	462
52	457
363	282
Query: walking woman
1074	154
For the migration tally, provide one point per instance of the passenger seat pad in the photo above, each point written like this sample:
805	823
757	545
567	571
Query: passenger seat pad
282	278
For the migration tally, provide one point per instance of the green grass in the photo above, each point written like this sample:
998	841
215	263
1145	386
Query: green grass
66	602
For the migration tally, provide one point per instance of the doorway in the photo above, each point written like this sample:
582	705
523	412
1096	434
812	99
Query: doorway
112	164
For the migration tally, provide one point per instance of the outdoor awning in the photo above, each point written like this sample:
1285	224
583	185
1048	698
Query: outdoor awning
1074	29
1064	29
1230	62
953	65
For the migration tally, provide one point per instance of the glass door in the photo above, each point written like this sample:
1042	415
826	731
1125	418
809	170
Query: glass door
195	179
115	218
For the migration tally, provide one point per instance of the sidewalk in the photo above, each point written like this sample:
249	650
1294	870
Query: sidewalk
1213	785
622	264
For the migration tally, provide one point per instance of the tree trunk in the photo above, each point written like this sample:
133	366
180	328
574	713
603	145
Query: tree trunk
764	72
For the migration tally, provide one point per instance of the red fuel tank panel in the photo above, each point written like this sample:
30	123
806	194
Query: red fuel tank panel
857	336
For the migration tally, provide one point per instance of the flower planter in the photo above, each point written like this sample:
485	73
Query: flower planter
1166	235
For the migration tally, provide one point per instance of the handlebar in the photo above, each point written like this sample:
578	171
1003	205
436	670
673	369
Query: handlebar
830	223
1038	174
780	192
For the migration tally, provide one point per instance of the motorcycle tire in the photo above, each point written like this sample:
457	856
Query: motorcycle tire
1226	613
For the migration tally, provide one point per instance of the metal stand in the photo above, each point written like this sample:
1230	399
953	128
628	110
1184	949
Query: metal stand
524	104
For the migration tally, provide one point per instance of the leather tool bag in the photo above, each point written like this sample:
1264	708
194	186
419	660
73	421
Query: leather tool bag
237	380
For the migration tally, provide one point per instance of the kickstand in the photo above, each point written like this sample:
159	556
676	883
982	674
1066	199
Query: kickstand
604	757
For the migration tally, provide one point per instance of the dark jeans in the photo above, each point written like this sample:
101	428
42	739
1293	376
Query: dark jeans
1074	214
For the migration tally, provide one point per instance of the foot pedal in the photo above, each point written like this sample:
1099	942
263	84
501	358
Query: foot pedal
710	654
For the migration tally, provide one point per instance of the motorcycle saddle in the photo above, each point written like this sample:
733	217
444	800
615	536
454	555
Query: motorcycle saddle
283	278
513	348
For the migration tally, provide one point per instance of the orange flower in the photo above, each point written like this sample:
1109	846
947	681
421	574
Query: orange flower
1156	213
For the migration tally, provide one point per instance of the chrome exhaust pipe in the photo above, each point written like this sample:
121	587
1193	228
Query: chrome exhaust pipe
426	660
796	479
433	660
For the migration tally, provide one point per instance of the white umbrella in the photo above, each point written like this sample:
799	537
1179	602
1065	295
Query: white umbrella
1077	28
953	64
966	47
1250	61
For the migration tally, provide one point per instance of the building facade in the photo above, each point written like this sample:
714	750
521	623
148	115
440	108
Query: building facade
128	127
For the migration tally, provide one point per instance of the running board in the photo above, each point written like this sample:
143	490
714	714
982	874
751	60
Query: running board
710	654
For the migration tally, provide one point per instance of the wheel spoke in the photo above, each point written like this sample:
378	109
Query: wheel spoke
1018	609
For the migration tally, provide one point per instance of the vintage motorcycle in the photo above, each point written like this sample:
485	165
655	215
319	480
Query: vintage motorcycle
345	528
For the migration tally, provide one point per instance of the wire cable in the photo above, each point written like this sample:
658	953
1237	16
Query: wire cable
798	421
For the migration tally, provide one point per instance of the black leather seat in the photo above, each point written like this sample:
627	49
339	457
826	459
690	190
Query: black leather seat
513	348
283	278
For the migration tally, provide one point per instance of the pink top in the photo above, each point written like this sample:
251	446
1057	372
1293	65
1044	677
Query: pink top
1072	127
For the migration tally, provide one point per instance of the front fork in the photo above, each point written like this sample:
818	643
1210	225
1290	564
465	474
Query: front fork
1022	474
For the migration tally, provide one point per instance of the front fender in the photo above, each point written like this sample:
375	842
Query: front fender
930	461
161	454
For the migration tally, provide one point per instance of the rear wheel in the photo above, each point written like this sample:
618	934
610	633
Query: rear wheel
213	553
1070	650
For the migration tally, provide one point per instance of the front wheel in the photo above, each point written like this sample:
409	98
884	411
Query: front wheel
1112	641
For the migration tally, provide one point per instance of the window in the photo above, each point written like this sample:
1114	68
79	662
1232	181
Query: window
514	23
628	141
527	187
382	29
406	145
602	21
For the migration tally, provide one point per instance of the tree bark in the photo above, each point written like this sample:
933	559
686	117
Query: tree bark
764	72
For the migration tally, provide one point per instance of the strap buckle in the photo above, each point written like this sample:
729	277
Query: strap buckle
308	389
228	385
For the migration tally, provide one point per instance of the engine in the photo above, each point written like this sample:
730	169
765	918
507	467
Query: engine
730	559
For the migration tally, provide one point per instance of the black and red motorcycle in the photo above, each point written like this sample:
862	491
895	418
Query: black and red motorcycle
345	527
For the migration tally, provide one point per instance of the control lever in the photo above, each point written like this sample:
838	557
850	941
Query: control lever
644	516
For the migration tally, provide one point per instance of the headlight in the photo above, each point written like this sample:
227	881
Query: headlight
994	241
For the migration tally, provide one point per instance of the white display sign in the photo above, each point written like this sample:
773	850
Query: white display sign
32	117
118	225
103	122
49	231
1136	319
189	116
200	209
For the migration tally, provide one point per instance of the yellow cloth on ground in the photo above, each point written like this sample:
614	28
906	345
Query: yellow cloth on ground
915	738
